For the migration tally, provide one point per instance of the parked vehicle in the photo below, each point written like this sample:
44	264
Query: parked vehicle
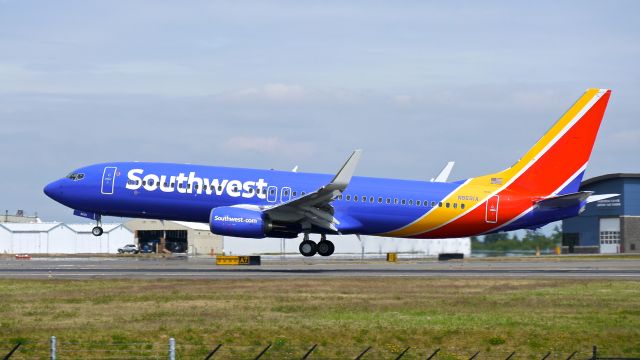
128	249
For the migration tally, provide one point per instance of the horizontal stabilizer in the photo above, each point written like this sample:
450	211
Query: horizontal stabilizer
563	201
594	198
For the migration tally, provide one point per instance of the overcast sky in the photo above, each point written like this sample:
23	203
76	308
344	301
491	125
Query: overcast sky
276	84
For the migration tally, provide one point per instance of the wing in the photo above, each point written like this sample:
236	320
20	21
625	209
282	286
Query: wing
315	208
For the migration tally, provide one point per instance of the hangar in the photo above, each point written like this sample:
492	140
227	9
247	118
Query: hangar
610	225
175	236
59	238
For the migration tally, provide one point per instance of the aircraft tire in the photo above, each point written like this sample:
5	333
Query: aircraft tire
97	231
308	248
325	248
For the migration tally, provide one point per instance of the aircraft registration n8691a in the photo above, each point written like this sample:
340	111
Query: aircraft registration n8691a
541	187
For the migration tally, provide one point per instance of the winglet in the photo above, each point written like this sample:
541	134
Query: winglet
443	176
343	177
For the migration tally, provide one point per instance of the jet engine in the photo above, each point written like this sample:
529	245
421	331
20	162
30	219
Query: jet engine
234	221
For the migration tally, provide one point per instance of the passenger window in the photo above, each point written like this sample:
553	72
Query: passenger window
339	197
355	197
371	199
404	201
195	186
433	204
302	193
462	206
395	201
272	191
219	187
348	197
295	193
388	200
410	202
418	202
426	203
455	205
364	199
379	200
440	204
144	183
447	204
286	192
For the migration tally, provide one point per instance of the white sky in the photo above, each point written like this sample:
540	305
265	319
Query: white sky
275	84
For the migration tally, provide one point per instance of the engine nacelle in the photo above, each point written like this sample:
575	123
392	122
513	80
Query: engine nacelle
233	221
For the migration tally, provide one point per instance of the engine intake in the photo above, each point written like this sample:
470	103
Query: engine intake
233	221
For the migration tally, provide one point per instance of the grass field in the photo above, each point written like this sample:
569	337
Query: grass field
343	316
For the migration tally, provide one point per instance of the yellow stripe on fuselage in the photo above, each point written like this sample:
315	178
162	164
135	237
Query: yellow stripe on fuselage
483	187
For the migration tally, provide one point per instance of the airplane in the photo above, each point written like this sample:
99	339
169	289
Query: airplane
541	187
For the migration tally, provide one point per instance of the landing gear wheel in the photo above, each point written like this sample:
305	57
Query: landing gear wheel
308	248
325	248
97	231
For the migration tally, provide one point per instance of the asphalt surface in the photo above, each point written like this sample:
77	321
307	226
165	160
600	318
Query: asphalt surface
198	268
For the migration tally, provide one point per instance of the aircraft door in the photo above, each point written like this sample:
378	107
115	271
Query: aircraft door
272	194
108	180
285	194
491	215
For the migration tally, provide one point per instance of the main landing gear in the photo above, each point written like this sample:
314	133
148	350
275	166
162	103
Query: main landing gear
310	248
97	230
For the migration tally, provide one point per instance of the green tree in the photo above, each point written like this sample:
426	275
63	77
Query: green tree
493	238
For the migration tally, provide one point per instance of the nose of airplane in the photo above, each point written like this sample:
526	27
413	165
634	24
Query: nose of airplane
53	190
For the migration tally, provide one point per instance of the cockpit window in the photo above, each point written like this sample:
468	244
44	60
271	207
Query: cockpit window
75	176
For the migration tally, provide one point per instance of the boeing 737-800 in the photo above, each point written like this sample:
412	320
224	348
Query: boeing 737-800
541	187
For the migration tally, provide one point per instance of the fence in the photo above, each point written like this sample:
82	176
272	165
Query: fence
55	349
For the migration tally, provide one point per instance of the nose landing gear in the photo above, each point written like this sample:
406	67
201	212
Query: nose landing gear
97	230
309	248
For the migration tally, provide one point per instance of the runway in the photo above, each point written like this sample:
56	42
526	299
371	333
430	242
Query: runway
205	268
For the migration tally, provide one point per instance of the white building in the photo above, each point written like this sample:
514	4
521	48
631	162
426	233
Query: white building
59	238
350	245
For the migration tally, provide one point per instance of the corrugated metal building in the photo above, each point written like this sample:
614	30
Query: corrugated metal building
177	236
607	226
59	238
350	245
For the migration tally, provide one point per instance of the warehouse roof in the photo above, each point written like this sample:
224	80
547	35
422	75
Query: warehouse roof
86	228
150	224
193	225
46	227
606	177
30	227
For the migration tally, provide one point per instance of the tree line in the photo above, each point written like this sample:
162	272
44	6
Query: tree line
511	241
